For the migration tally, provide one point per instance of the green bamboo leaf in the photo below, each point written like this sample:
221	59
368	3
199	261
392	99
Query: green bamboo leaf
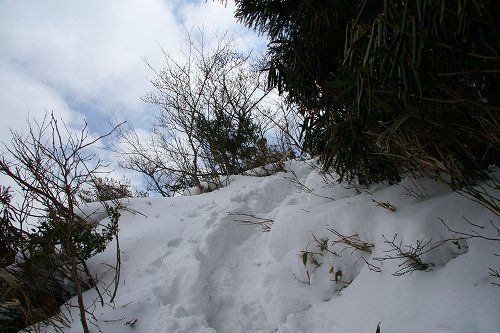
7	277
441	17
379	30
304	258
339	84
347	39
414	40
360	12
369	48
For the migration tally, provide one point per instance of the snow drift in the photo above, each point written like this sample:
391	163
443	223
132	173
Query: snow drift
203	263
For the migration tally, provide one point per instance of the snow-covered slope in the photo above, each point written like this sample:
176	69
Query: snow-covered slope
190	264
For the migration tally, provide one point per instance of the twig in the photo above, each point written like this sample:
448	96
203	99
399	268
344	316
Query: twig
411	256
264	223
301	187
473	233
131	323
352	241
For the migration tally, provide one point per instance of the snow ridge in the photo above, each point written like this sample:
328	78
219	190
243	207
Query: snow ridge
188	266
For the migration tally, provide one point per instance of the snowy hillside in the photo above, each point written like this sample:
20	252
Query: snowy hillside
197	264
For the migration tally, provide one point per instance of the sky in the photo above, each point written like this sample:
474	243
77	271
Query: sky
86	60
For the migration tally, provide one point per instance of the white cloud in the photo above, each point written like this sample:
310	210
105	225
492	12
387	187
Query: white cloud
92	53
85	59
88	51
215	17
22	97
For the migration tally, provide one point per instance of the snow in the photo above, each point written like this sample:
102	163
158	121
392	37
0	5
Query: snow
190	265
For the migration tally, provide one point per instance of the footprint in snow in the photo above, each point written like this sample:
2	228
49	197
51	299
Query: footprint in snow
174	242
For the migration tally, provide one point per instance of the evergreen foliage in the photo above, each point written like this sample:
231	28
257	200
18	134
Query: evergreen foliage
45	236
208	127
391	86
104	189
229	138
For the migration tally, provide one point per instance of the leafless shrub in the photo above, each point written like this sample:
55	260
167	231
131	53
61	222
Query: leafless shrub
285	121
250	219
495	274
50	166
411	255
474	233
302	187
213	120
352	241
207	127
